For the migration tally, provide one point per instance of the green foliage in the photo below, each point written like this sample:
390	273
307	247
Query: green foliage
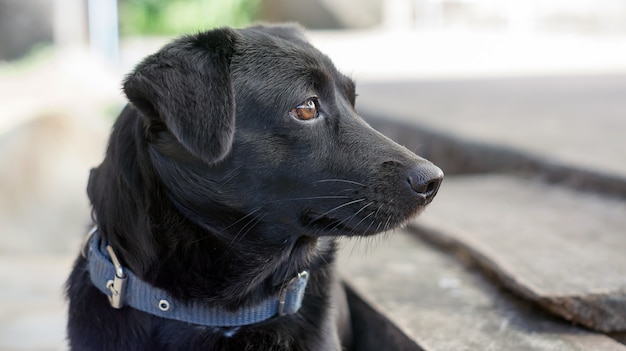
171	17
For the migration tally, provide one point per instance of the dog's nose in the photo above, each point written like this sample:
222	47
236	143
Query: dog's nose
425	181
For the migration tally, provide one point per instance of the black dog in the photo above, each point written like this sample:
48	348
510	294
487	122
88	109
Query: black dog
229	176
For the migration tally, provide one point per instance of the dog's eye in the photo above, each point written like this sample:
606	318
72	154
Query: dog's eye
305	111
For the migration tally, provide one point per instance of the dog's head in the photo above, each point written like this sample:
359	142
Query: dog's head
252	135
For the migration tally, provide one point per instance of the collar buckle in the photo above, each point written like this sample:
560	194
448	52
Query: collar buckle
117	286
301	279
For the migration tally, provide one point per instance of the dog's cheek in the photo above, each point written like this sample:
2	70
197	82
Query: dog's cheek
261	149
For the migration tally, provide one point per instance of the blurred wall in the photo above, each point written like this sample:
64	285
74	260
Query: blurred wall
24	23
324	14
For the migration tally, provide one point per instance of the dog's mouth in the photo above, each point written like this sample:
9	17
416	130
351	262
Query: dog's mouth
321	225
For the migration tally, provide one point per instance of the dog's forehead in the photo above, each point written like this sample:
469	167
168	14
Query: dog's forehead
280	50
280	66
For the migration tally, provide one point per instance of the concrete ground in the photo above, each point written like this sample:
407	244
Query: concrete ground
32	304
560	98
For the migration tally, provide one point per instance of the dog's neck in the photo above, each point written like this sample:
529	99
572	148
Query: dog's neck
123	288
209	266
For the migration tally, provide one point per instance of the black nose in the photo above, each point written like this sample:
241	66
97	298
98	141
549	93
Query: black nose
425	181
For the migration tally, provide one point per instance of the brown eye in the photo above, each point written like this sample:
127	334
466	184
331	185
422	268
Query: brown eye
306	111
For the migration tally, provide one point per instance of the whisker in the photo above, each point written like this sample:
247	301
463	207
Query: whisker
359	211
364	218
309	198
225	179
364	207
371	223
376	214
340	206
244	217
386	227
339	181
253	212
248	227
351	217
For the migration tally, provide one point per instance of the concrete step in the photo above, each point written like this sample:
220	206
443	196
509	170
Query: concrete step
564	249
438	304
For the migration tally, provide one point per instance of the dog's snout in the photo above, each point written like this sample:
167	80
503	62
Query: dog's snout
425	181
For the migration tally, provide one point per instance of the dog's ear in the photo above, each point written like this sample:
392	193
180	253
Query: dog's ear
187	85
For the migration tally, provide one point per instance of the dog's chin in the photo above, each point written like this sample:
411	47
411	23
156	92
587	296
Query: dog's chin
319	225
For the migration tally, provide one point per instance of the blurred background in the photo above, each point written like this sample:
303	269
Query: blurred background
62	61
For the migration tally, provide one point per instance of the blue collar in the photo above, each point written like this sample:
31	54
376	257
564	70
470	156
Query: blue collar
123	288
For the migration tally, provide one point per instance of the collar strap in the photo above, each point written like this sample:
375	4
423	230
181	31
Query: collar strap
123	288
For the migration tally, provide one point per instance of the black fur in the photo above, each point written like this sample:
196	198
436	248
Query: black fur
211	189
